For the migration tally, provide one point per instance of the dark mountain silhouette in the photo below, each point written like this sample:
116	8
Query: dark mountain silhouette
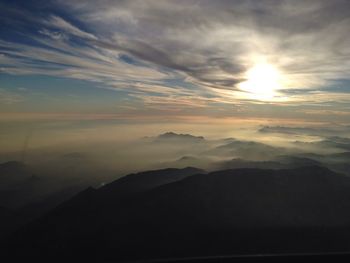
220	213
25	196
39	207
25	202
279	162
139	182
238	163
291	161
340	167
14	172
15	179
339	162
9	221
185	161
22	185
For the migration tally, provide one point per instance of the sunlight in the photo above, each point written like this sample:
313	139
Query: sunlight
263	79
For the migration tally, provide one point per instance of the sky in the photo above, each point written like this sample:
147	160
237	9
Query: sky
175	60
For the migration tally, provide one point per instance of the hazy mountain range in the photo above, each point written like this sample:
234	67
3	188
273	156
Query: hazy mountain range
243	197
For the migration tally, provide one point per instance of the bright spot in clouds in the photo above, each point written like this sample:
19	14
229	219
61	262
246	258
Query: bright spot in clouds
200	58
263	79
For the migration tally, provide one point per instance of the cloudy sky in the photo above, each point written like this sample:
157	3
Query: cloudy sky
179	59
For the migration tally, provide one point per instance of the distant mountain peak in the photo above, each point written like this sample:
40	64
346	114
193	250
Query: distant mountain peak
179	136
187	158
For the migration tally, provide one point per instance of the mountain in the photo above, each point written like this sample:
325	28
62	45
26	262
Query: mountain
140	182
339	162
344	156
14	172
220	213
279	162
296	130
15	179
28	195
188	160
329	158
238	163
334	143
247	150
291	161
9	220
173	137
25	196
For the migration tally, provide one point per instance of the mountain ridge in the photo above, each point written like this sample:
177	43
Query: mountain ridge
241	206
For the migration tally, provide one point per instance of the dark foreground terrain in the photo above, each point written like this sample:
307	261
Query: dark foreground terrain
188	213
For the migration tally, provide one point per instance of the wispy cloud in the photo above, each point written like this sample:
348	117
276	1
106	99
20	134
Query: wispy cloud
215	43
8	97
59	23
209	45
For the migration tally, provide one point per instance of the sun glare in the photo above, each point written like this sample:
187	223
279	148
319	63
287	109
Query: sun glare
263	80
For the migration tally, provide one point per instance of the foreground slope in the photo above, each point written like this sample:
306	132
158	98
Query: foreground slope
225	212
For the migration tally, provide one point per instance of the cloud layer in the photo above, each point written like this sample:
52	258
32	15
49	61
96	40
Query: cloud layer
189	53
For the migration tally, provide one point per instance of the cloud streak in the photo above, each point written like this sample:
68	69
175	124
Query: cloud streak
207	45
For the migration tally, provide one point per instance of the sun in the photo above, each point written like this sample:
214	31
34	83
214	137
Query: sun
263	79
